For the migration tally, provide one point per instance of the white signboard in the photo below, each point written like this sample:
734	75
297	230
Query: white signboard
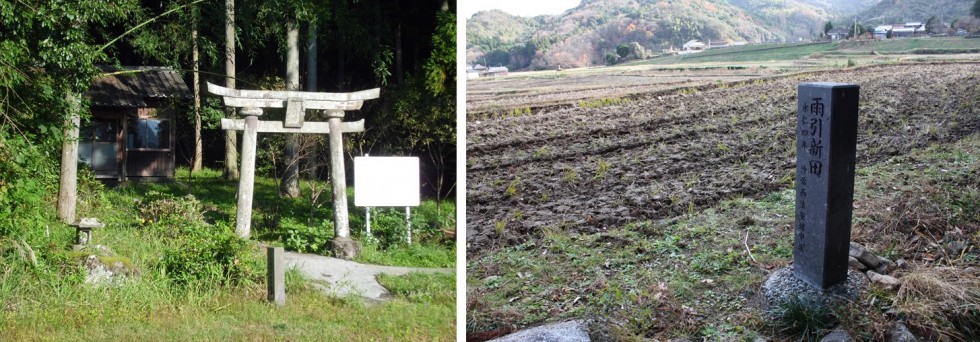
386	181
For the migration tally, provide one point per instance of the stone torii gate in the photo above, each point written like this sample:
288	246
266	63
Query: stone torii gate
296	104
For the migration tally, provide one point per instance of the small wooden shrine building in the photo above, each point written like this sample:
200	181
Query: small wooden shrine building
131	133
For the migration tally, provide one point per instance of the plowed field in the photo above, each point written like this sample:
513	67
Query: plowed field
671	152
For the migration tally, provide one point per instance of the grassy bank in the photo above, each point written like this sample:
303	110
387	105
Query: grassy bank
699	275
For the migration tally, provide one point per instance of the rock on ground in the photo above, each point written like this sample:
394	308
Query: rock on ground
344	277
838	335
884	280
901	333
570	331
866	257
853	262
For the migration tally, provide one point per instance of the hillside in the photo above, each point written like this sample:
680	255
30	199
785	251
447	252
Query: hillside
891	11
589	33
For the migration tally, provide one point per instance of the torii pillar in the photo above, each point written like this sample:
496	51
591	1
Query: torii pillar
343	246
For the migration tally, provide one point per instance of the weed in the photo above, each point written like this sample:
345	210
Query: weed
688	90
519	111
513	188
541	152
570	176
601	169
603	102
803	317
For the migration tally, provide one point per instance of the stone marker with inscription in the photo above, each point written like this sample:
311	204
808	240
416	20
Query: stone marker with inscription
826	145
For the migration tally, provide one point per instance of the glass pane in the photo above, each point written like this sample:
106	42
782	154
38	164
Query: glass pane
99	130
105	131
149	133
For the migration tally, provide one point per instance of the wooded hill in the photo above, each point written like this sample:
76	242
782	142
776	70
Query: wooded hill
588	33
899	11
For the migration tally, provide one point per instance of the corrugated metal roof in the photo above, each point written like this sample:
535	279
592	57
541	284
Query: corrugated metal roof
131	87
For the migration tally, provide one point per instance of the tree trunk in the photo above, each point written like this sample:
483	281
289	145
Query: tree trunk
289	187
231	139
68	189
311	79
399	72
195	60
339	46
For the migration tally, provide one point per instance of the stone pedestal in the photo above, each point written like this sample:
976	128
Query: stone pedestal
345	248
783	286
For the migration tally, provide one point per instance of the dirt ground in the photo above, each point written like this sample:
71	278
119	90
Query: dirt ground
662	153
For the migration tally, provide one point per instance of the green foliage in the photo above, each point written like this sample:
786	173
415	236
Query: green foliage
207	256
440	68
197	254
611	58
432	223
26	179
623	50
827	27
303	238
166	209
422	287
418	254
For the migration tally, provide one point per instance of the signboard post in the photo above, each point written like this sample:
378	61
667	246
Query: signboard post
387	182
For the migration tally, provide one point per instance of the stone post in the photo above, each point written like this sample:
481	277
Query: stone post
276	275
826	145
343	246
246	181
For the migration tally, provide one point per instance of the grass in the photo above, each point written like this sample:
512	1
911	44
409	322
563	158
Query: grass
794	51
437	288
910	44
693	277
748	53
416	255
56	305
804	317
48	300
145	310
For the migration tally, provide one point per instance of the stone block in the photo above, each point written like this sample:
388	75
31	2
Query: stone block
345	248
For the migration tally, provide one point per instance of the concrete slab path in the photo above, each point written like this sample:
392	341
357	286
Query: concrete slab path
343	278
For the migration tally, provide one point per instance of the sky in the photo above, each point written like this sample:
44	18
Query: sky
524	8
